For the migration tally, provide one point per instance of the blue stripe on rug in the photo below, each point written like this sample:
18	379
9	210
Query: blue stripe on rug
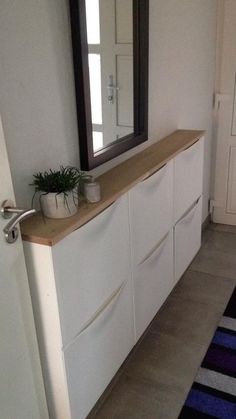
203	388
205	401
211	405
224	339
225	329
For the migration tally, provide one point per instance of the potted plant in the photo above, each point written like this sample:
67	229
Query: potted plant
58	191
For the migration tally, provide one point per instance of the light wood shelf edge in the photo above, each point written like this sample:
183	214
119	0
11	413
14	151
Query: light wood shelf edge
114	183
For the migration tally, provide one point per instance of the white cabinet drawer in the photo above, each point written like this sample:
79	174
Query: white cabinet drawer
187	238
95	356
151	211
153	281
89	265
188	170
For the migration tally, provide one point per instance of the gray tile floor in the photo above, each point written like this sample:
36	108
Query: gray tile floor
155	379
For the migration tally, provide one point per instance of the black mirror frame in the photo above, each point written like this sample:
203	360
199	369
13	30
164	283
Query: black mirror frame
89	159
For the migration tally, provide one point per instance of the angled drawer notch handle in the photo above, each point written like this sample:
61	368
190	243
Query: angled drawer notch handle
188	215
111	300
190	146
156	171
155	253
111	207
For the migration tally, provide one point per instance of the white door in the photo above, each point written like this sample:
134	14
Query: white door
116	22
225	169
110	46
21	386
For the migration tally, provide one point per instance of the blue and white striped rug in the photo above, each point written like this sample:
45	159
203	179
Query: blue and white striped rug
213	393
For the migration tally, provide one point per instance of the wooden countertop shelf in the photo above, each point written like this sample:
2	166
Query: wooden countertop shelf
114	183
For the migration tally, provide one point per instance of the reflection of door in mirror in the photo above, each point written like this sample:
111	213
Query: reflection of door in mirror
110	47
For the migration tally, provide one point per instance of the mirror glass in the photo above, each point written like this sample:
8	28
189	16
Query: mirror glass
110	57
110	50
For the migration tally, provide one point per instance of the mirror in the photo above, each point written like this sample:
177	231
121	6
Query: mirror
110	51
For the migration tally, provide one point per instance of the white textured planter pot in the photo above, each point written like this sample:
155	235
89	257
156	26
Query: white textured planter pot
58	206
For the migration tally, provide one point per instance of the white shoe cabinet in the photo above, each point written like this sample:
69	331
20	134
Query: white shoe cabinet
153	281
95	292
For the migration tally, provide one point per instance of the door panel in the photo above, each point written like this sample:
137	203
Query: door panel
234	110
21	386
116	53
224	191
231	189
124	66
124	15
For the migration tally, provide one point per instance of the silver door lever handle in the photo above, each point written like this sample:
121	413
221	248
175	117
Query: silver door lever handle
22	215
7	210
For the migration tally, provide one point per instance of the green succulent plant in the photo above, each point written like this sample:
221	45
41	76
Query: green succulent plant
64	180
57	181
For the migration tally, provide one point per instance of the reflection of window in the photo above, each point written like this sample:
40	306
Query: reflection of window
93	21
95	87
94	58
97	140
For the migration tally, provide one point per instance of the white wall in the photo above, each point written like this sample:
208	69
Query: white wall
36	89
36	82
